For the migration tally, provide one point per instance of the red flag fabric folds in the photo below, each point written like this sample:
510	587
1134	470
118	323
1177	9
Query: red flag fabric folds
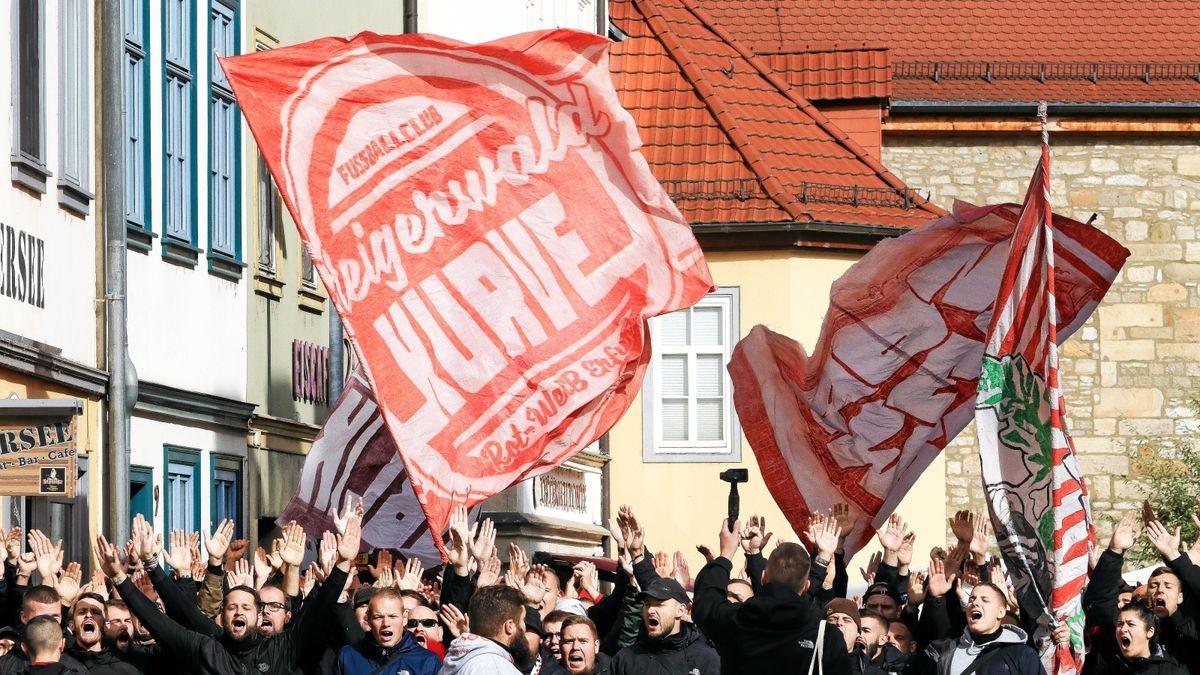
893	377
488	232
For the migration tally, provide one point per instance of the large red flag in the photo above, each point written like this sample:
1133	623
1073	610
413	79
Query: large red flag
893	377
488	232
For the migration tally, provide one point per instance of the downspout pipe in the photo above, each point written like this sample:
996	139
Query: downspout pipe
122	378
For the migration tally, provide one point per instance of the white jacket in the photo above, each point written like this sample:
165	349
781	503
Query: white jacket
476	655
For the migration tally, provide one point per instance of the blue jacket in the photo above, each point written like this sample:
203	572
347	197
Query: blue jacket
407	657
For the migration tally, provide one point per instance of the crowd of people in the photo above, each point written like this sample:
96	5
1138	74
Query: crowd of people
212	607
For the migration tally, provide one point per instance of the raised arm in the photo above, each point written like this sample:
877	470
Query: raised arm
711	609
180	607
1100	598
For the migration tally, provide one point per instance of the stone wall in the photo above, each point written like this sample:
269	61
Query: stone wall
1131	371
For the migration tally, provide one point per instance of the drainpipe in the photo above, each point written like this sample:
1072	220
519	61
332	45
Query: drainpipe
337	368
122	379
410	17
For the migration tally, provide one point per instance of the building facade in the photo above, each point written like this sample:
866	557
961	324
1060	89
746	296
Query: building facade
52	309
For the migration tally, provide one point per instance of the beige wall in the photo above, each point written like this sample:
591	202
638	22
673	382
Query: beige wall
683	504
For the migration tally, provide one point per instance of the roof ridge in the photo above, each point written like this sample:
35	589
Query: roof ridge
807	107
770	183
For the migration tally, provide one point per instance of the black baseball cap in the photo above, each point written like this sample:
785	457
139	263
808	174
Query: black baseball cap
663	588
363	596
533	621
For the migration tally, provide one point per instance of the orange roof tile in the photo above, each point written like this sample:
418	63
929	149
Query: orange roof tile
835	72
1092	51
730	140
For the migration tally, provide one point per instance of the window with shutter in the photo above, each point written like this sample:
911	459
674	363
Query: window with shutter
224	223
687	400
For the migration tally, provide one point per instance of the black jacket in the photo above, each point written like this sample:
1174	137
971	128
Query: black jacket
1009	656
1155	665
773	632
684	652
208	655
16	663
103	663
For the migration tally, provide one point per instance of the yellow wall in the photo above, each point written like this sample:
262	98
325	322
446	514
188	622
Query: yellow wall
683	504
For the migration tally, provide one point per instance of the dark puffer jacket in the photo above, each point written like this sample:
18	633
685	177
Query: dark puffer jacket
1008	654
685	652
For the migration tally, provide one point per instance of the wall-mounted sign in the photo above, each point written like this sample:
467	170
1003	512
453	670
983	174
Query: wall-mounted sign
22	257
37	457
563	489
310	372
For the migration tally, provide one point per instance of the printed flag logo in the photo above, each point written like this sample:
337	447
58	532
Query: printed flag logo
488	232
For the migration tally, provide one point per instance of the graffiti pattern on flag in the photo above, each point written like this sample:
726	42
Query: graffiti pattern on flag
354	455
893	376
488	232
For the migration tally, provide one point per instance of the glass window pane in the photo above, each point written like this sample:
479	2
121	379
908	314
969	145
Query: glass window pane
673	329
710	420
674	375
675	420
706	326
60	522
709	374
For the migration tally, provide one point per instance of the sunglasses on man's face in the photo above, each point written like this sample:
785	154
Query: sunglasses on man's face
424	623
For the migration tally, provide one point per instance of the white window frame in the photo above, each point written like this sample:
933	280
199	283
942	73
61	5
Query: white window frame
654	449
75	105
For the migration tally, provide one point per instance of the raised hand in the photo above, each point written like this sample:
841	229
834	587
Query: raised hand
261	566
410	580
755	536
146	544
982	535
705	551
68	583
1163	539
241	574
826	537
112	563
537	584
518	561
483	545
341	519
217	543
309	581
905	555
489	573
49	556
728	537
238	548
12	544
846	520
955	558
349	541
938	584
292	551
197	559
891	538
682	574
327	553
1125	533
382	560
455	621
632	532
96	584
868	573
274	557
962	526
141	580
459	551
916	588
179	554
662	564
386	578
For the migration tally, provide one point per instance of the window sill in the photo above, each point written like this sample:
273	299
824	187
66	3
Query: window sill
139	238
693	455
310	300
180	253
74	199
268	286
224	266
29	174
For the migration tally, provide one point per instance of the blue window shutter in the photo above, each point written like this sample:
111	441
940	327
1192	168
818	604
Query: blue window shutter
224	221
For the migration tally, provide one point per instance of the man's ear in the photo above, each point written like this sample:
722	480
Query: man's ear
804	589
765	578
62	645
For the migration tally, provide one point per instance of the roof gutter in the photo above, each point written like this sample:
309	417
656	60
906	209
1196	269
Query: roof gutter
824	227
1029	108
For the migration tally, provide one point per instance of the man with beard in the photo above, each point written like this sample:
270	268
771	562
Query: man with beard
120	629
275	614
427	630
667	643
87	625
388	647
544	662
876	645
496	644
237	647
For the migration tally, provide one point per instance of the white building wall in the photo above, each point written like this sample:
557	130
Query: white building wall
486	20
187	327
67	320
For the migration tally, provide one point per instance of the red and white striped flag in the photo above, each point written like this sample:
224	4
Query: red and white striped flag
1035	490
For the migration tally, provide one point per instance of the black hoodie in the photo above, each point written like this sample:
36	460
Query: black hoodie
683	652
773	632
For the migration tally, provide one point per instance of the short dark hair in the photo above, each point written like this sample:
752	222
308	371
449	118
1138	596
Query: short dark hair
1160	571
999	591
94	597
41	594
868	613
1145	613
576	620
43	635
244	589
415	595
788	565
491	606
556	616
